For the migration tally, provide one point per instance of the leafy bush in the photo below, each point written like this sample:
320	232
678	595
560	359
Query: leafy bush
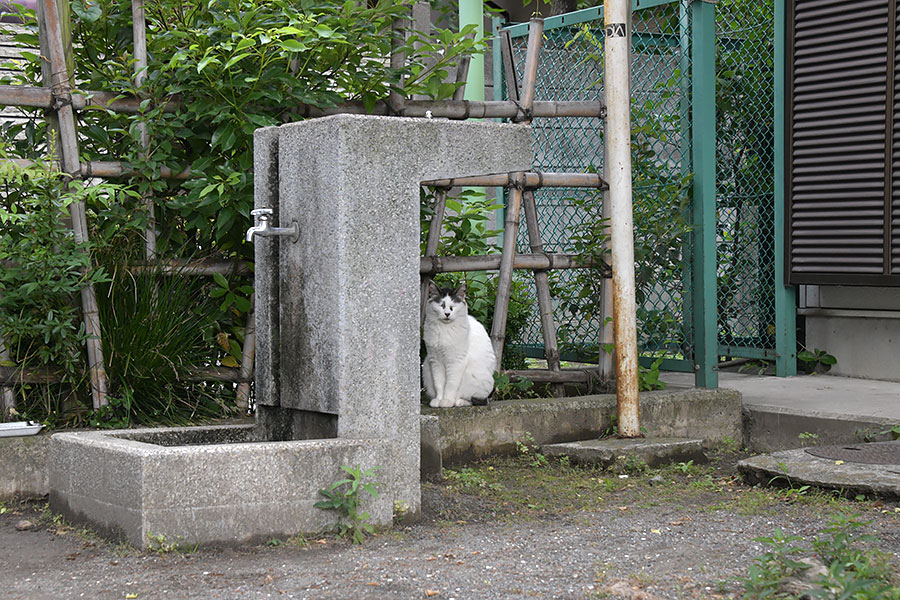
44	269
217	71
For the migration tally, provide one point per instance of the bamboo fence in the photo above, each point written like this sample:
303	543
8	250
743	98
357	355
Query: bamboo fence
61	102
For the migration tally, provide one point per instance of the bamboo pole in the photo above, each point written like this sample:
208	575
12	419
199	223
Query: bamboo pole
62	93
107	169
248	355
51	374
195	267
517	180
139	36
204	267
431	245
36	97
16	95
7	394
531	180
554	377
462	74
529	78
396	99
542	284
504	280
509	69
492	262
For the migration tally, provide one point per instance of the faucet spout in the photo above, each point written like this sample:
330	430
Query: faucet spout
261	226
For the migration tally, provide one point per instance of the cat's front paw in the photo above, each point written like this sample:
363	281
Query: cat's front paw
461	402
440	403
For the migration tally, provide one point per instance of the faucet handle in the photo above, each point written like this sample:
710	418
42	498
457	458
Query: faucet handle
260	211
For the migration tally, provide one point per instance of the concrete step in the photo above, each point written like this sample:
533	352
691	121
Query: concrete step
614	451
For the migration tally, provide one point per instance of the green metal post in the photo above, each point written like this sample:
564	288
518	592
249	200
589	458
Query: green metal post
703	148
471	12
785	296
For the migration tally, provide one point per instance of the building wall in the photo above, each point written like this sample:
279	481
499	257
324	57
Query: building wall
860	326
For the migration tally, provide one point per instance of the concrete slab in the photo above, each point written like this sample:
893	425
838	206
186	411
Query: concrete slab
835	409
653	451
798	467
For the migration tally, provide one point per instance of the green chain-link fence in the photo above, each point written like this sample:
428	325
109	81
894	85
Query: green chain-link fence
571	68
745	169
662	79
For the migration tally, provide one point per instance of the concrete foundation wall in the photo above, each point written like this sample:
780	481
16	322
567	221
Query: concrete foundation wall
860	326
865	345
471	433
23	465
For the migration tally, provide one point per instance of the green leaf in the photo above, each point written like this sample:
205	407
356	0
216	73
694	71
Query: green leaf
235	59
220	280
242	304
324	31
205	61
293	45
88	11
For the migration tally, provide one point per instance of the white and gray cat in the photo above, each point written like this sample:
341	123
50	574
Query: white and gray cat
459	364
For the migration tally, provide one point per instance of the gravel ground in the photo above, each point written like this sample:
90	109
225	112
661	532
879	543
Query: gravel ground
567	534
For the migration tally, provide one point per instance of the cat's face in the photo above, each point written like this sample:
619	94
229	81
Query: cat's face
447	304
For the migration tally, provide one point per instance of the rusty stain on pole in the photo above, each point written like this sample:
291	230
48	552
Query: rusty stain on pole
617	57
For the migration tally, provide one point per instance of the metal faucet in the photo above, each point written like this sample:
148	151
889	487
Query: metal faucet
261	226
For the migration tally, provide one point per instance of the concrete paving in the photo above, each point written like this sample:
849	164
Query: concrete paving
783	415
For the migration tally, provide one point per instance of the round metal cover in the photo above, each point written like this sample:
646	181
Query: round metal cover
874	453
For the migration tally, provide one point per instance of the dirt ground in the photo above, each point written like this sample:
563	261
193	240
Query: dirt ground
509	528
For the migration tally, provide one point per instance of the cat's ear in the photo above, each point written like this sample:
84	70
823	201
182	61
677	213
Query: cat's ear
433	291
461	290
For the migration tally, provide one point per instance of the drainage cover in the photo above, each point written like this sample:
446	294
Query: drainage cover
874	453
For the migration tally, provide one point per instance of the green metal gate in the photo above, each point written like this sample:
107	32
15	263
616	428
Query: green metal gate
707	227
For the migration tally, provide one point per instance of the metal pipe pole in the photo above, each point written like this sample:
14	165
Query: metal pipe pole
617	61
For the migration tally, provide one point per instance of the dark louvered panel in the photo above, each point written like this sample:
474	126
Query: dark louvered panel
894	221
837	130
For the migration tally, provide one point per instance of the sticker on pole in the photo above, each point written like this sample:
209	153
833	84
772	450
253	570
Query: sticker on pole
615	30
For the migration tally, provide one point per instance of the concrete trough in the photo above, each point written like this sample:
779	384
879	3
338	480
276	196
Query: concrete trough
204	485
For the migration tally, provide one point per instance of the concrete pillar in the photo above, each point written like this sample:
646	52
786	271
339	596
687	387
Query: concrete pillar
345	328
